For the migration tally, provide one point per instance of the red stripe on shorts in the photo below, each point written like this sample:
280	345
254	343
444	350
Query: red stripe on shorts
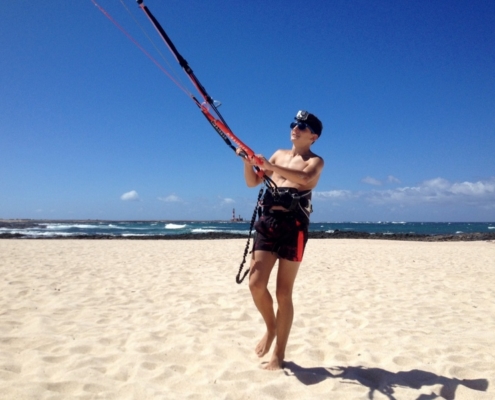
300	245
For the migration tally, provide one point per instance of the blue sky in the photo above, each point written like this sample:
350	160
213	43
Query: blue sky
91	129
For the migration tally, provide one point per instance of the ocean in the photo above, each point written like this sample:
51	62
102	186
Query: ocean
52	229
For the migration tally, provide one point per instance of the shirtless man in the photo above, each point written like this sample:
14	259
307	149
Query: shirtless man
282	230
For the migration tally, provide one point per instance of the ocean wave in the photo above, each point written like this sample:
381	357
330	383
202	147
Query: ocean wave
14	231
174	226
131	228
136	234
239	232
46	234
233	231
115	227
121	226
491	227
69	226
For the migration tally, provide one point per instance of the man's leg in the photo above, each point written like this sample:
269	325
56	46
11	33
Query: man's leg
287	272
261	266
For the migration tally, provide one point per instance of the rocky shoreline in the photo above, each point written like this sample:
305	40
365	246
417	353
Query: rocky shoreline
462	237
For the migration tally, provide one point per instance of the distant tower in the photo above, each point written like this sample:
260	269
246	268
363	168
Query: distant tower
233	214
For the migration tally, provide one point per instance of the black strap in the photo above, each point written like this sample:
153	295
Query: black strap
238	279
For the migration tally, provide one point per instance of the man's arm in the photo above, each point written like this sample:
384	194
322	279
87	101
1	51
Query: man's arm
251	177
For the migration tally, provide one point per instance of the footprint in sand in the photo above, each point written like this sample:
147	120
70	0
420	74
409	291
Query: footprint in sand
149	366
54	359
80	349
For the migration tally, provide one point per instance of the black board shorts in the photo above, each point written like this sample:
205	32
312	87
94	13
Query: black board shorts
282	233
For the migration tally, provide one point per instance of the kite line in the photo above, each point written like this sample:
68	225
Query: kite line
208	107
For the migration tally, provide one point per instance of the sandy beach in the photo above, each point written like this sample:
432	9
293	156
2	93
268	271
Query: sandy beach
374	319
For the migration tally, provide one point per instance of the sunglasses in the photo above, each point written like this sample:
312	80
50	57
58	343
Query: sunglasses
302	126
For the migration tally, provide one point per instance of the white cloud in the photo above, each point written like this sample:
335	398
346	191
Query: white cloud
474	188
170	199
333	194
437	191
392	179
130	196
371	181
227	201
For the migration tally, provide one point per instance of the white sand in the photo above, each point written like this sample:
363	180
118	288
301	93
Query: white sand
89	319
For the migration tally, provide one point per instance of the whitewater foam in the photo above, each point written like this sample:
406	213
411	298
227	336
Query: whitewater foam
70	226
174	226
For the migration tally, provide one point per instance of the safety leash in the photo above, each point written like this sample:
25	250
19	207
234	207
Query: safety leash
238	279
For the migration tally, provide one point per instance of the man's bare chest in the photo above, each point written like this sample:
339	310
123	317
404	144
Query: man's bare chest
296	163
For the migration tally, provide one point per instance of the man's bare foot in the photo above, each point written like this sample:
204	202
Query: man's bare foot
263	346
274	364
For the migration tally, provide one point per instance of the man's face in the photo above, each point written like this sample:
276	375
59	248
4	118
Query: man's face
302	131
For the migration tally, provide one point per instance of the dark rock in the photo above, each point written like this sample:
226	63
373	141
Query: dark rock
337	234
464	237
